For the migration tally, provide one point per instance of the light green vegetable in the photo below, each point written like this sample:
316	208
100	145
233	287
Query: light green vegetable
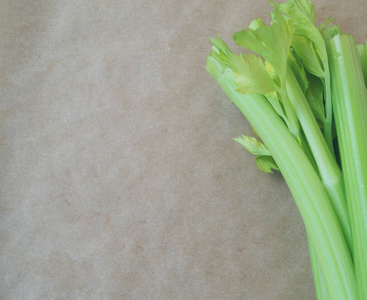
300	77
362	51
349	97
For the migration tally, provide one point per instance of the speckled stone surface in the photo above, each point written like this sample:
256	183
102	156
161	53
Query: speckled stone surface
119	176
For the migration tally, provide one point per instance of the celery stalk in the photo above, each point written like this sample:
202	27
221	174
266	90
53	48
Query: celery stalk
330	173
362	51
349	98
329	114
310	195
319	282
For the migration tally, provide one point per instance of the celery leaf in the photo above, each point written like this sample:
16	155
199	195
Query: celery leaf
266	163
306	50
315	97
253	145
271	42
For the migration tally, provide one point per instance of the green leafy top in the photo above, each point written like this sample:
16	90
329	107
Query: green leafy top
307	40
271	42
248	70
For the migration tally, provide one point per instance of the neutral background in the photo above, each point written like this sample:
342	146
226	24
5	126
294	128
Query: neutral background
119	178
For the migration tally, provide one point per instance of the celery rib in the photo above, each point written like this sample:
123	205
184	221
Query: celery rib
310	195
319	282
328	113
313	203
350	111
330	173
362	51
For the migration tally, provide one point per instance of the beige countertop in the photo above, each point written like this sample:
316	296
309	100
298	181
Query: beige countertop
119	176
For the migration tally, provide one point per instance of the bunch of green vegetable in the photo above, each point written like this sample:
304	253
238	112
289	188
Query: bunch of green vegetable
304	93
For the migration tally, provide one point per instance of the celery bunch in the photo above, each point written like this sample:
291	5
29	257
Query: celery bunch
304	93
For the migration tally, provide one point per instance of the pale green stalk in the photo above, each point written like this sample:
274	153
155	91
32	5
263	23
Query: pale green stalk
319	282
330	173
362	51
311	198
349	98
328	113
